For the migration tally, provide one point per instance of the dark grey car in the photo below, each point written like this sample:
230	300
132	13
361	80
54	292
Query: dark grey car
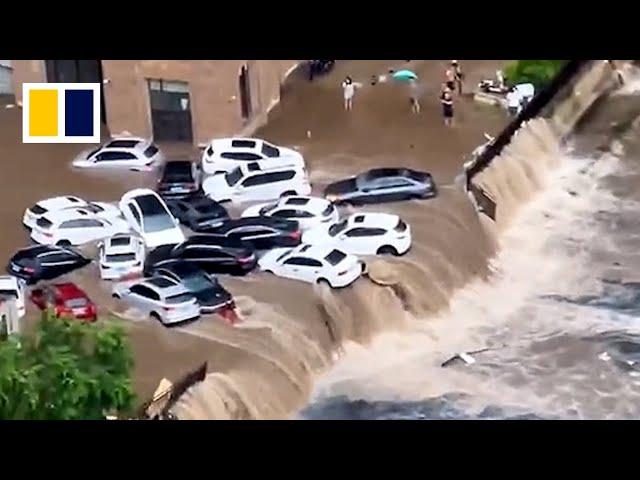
382	185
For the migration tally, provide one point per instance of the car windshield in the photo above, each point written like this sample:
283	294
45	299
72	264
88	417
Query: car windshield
335	257
197	283
180	298
121	257
270	151
336	228
233	176
158	223
8	293
76	303
155	216
93	152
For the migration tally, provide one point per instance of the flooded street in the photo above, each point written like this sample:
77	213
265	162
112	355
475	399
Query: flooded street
291	332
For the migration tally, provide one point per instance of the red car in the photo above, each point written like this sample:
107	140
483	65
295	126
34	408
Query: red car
66	300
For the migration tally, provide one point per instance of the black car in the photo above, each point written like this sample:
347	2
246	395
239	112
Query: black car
382	185
212	253
198	212
44	262
179	178
211	296
262	232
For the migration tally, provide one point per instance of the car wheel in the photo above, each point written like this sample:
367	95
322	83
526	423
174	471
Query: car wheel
288	193
324	281
63	243
268	271
115	295
155	316
387	250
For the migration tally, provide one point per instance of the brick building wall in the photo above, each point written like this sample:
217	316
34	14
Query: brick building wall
213	89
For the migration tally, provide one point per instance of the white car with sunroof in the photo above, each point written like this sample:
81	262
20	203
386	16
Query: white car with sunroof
224	154
148	216
33	213
120	256
313	264
12	288
364	234
252	182
161	298
309	212
123	152
75	226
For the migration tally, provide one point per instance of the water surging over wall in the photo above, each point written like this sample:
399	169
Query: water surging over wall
451	247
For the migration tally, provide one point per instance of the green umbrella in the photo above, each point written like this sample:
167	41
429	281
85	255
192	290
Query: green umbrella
405	75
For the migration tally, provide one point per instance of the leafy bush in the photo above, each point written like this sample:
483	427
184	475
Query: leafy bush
66	370
538	72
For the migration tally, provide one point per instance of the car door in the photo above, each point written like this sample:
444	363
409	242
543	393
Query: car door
116	159
355	240
143	298
295	268
133	217
71	231
393	189
94	229
57	264
261	237
254	187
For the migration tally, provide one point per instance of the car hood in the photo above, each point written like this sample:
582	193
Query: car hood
316	235
216	187
165	237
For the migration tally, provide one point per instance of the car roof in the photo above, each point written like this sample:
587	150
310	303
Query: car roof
317	252
8	282
136	196
234	143
126	143
35	251
260	167
61	202
69	290
167	287
375	220
178	165
59	216
310	204
182	269
220	240
279	223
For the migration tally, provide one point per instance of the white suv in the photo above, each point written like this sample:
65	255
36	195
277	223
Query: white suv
224	154
124	152
121	255
364	234
252	182
161	298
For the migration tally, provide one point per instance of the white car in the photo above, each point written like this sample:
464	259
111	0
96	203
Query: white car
309	212
251	182
313	264
149	216
224	154
75	226
161	298
13	288
121	255
364	234
123	152
34	213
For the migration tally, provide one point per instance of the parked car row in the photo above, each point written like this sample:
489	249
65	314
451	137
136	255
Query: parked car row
289	233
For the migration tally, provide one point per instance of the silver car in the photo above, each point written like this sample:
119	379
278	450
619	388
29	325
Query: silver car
161	298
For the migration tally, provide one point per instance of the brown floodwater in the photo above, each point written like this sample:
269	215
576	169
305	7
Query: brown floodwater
291	332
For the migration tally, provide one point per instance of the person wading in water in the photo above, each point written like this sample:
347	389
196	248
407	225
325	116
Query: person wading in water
457	75
446	99
450	78
415	91
349	90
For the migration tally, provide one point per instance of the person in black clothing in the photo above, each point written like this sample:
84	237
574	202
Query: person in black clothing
458	75
446	99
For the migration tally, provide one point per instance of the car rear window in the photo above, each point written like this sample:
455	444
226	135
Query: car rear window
178	171
335	257
120	241
76	303
243	143
401	226
150	151
161	282
8	293
270	151
38	210
180	298
122	144
121	257
44	223
297	201
233	176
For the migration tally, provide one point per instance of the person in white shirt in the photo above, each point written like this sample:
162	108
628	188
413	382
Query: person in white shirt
513	101
349	90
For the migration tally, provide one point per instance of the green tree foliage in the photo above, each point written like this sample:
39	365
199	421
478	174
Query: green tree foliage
538	72
66	370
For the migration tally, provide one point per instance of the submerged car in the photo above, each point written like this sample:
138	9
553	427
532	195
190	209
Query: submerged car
66	300
124	152
364	234
44	262
120	256
160	298
178	178
309	212
35	212
212	253
382	185
211	296
313	264
261	232
198	212
224	154
12	288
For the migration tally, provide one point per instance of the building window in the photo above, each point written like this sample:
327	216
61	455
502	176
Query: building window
170	110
